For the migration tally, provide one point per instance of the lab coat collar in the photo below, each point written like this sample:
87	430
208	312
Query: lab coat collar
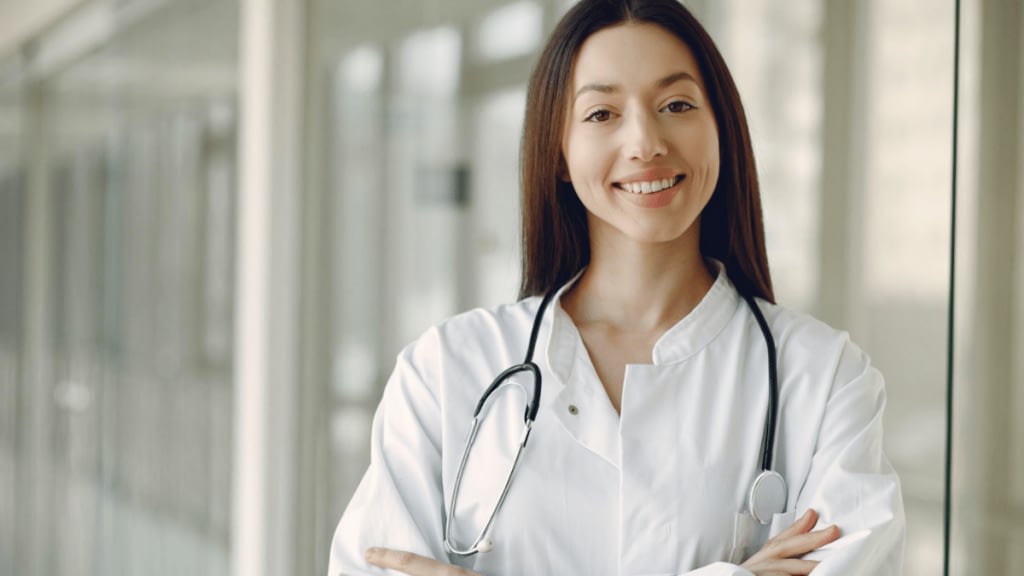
582	405
564	336
686	338
578	402
698	328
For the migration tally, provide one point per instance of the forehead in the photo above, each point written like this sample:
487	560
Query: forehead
632	54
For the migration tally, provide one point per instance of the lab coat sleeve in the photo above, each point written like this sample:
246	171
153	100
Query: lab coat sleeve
398	503
850	482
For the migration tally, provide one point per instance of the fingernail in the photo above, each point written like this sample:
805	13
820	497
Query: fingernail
371	552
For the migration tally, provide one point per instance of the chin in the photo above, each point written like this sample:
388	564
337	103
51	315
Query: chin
657	236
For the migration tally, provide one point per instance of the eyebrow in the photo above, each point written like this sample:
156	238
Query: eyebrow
612	88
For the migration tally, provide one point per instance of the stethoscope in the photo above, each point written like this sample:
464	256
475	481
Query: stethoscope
767	494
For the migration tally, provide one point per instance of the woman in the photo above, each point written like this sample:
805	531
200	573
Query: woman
642	220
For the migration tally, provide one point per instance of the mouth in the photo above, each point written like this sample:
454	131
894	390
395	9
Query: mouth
649	186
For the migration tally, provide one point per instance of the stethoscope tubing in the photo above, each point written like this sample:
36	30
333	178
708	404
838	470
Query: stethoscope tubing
528	365
768	454
767	476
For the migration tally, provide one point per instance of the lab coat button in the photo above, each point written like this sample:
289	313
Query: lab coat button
573	409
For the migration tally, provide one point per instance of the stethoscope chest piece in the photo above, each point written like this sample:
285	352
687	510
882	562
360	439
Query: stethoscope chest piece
767	496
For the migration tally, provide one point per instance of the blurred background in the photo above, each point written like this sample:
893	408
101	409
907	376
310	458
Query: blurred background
221	219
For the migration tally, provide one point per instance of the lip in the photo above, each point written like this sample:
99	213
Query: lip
658	199
648	175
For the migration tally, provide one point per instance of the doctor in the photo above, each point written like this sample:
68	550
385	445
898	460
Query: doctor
642	219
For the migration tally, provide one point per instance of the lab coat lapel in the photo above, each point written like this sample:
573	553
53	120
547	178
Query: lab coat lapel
581	406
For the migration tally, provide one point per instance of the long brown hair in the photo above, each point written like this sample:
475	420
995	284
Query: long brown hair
555	236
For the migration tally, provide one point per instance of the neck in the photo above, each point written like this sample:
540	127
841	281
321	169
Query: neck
636	286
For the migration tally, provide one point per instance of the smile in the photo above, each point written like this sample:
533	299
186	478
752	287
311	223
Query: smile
649	187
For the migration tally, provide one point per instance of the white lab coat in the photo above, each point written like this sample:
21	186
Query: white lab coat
661	489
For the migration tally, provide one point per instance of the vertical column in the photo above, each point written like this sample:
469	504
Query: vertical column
267	307
312	532
1016	451
33	554
843	162
466	245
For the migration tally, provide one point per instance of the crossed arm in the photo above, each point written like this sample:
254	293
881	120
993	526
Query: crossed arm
780	556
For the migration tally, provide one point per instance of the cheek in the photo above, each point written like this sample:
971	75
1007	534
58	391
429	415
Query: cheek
714	165
581	159
567	164
706	148
709	142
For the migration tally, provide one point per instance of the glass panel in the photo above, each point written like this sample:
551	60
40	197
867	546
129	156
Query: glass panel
904	259
987	502
129	417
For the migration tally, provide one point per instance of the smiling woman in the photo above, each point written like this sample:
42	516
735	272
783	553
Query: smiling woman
555	248
648	140
642	229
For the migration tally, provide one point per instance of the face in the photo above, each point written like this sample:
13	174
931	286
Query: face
640	141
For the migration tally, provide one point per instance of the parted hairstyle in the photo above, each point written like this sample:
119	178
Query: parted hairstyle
555	235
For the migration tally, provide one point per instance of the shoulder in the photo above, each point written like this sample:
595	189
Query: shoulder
489	321
825	377
497	332
805	343
486	325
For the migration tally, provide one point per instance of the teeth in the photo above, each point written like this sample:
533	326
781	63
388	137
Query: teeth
648	187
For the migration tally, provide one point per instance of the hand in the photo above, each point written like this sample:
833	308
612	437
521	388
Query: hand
779	556
413	564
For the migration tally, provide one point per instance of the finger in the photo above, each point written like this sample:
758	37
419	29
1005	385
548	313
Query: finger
801	524
412	564
794	546
801	544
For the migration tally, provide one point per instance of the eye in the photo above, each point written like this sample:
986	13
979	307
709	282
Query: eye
599	115
678	106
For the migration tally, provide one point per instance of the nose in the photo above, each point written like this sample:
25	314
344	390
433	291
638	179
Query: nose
643	139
